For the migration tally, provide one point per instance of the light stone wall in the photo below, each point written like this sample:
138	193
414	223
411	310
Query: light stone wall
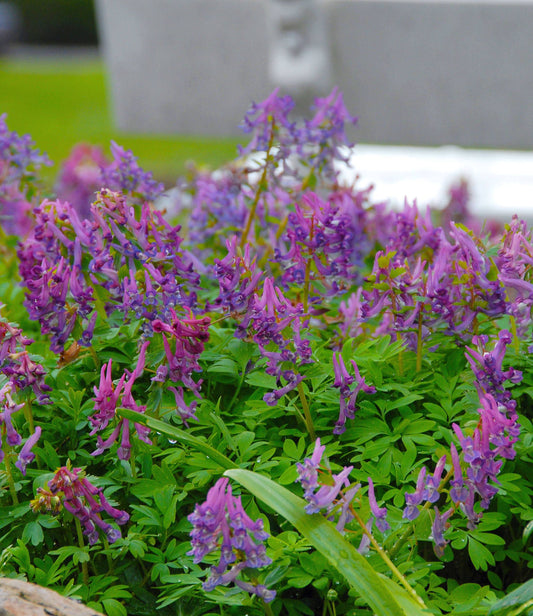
415	72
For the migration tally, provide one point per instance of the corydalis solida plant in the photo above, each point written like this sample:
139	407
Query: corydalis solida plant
210	316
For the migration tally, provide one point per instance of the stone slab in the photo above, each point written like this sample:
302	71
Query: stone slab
417	72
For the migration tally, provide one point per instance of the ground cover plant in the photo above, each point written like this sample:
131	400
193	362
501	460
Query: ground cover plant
277	396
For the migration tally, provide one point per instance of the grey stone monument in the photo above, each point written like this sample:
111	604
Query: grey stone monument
299	51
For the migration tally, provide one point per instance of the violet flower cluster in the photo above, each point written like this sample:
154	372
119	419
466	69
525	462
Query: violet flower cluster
348	394
220	524
80	177
515	261
316	144
483	451
333	494
283	159
215	203
18	366
238	277
70	488
125	259
277	325
424	282
123	174
12	438
325	242
20	163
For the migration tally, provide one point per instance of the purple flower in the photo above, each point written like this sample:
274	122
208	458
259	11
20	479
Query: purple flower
221	523
308	470
26	456
9	407
437	529
413	500
348	400
267	120
328	493
20	162
459	492
379	513
433	482
184	411
124	174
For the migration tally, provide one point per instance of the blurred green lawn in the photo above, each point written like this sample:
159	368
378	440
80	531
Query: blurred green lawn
61	102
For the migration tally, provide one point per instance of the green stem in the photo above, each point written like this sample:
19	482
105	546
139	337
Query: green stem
268	609
28	414
260	187
516	340
238	390
400	354
84	567
419	345
9	476
95	358
307	283
404	536
110	564
307	413
384	556
132	464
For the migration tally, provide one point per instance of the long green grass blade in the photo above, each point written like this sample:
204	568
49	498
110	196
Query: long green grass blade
383	595
178	435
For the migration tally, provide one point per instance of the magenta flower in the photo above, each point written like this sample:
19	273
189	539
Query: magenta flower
108	397
85	501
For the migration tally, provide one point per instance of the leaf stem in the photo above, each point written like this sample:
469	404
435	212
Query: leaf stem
307	280
403	537
237	390
419	345
307	413
84	567
516	340
268	609
384	556
9	476
260	186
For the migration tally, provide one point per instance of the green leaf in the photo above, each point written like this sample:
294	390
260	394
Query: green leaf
113	608
520	597
383	595
261	379
177	434
488	538
481	557
33	532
